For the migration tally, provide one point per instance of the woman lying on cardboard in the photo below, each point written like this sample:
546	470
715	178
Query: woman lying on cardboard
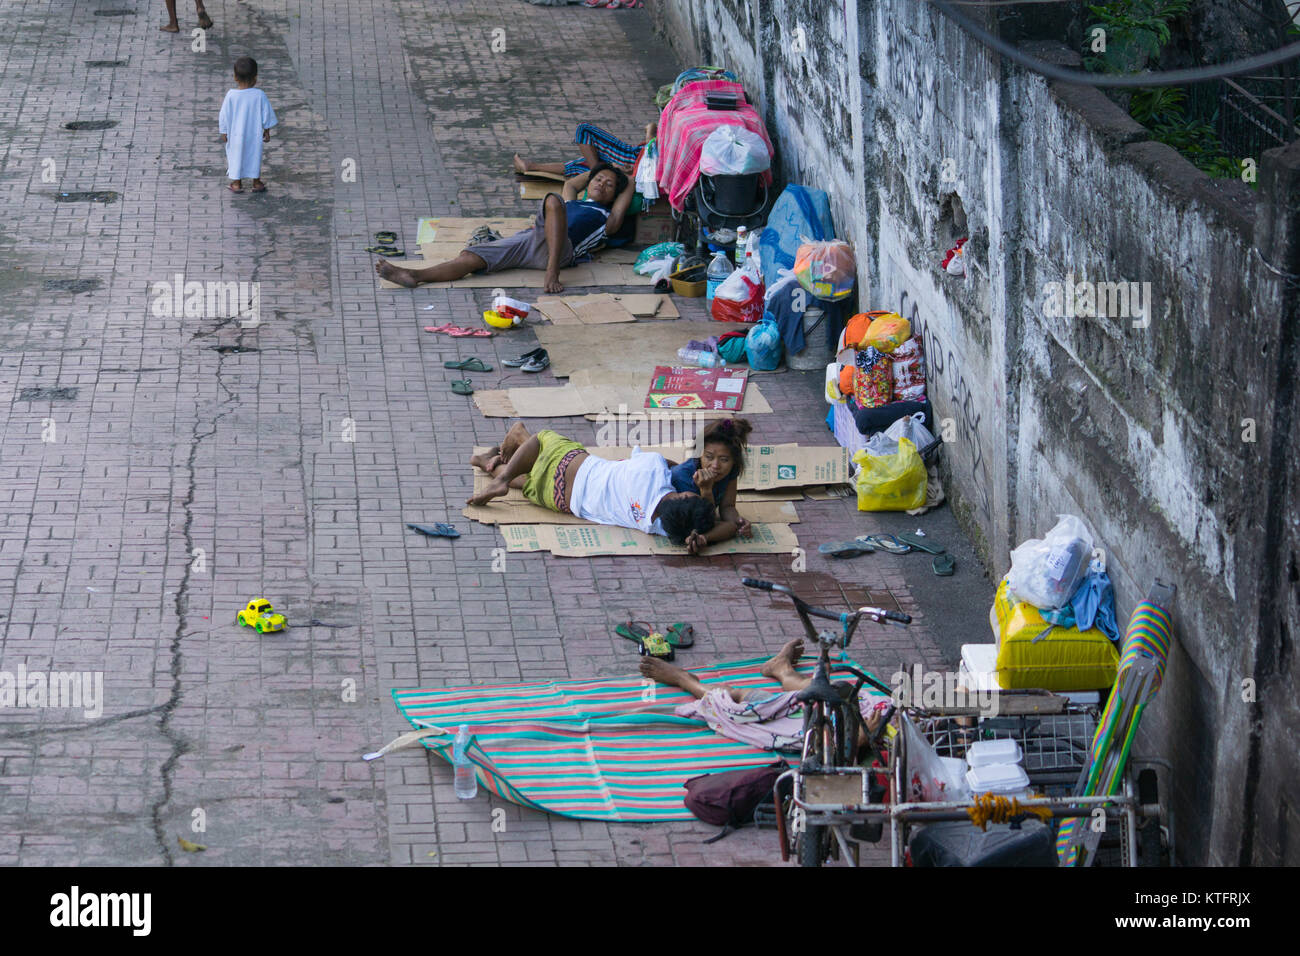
636	493
566	232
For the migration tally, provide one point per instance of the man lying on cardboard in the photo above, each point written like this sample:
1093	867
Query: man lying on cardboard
566	232
636	493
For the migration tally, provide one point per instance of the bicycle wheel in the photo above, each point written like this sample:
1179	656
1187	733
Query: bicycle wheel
811	845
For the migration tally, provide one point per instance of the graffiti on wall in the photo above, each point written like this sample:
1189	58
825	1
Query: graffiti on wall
945	379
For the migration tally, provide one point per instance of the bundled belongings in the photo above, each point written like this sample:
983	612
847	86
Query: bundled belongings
826	269
1054	614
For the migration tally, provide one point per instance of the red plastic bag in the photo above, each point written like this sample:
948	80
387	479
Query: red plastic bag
739	298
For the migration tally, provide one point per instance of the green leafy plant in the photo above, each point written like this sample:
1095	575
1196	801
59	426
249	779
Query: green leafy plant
1135	33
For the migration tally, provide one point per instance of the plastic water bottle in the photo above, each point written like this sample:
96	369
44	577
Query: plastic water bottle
742	243
466	782
718	271
701	357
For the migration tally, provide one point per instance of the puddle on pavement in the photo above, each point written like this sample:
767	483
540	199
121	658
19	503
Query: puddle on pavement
47	394
107	63
82	126
114	12
74	286
233	349
103	195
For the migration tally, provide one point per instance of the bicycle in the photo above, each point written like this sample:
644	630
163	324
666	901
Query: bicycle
832	725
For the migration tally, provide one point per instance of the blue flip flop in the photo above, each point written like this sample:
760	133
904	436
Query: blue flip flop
439	530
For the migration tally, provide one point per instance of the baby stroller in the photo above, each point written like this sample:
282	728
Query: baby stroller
704	204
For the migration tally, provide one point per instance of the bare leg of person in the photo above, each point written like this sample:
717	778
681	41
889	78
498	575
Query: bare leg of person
557	227
780	667
205	21
524	166
672	675
520	464
457	268
498	455
589	155
172	25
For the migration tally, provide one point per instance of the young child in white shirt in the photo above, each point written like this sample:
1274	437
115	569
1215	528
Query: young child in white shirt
245	123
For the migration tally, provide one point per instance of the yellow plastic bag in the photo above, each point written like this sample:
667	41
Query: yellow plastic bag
888	332
1033	652
891	482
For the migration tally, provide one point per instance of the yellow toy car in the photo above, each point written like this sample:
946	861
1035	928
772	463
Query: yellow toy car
261	616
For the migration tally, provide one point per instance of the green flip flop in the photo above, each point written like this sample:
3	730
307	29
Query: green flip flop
680	634
920	542
462	387
944	565
468	365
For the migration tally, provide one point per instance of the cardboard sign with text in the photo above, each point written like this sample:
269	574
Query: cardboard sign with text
787	466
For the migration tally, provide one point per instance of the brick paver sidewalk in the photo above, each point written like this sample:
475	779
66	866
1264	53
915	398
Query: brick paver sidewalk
159	470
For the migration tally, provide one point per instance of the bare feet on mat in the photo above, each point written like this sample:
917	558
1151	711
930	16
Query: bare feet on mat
784	660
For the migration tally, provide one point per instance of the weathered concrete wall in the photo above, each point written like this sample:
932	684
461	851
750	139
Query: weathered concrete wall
1172	434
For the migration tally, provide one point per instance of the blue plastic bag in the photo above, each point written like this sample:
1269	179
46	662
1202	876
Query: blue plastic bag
799	214
763	346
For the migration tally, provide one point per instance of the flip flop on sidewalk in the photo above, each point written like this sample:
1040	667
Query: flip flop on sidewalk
468	365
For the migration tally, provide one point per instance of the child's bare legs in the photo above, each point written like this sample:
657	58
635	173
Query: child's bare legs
515	460
780	667
173	26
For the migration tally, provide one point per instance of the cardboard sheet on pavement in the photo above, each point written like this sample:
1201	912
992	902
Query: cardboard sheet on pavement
585	541
604	308
597	402
787	466
634	348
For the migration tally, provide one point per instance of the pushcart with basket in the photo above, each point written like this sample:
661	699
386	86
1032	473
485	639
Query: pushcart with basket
847	788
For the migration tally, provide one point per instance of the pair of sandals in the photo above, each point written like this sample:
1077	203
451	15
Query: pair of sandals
385	245
652	643
943	564
460	332
533	361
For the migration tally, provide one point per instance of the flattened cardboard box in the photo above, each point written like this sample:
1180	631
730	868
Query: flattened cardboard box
785	466
585	541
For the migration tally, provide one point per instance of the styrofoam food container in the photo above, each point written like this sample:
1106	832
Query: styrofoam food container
511	307
985	752
1004	779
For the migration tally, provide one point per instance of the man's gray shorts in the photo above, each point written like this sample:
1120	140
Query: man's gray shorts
523	250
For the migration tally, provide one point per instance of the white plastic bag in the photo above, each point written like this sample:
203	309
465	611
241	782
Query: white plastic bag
734	151
1045	571
911	427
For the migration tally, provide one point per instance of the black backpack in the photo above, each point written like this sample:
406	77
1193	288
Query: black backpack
728	799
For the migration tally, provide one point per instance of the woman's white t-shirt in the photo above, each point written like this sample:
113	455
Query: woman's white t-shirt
624	493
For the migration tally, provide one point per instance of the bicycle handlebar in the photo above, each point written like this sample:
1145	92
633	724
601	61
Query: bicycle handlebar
875	613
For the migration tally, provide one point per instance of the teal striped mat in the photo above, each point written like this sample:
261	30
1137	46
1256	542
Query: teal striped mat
604	749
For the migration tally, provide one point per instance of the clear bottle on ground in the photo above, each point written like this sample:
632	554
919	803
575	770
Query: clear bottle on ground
704	358
719	268
466	781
